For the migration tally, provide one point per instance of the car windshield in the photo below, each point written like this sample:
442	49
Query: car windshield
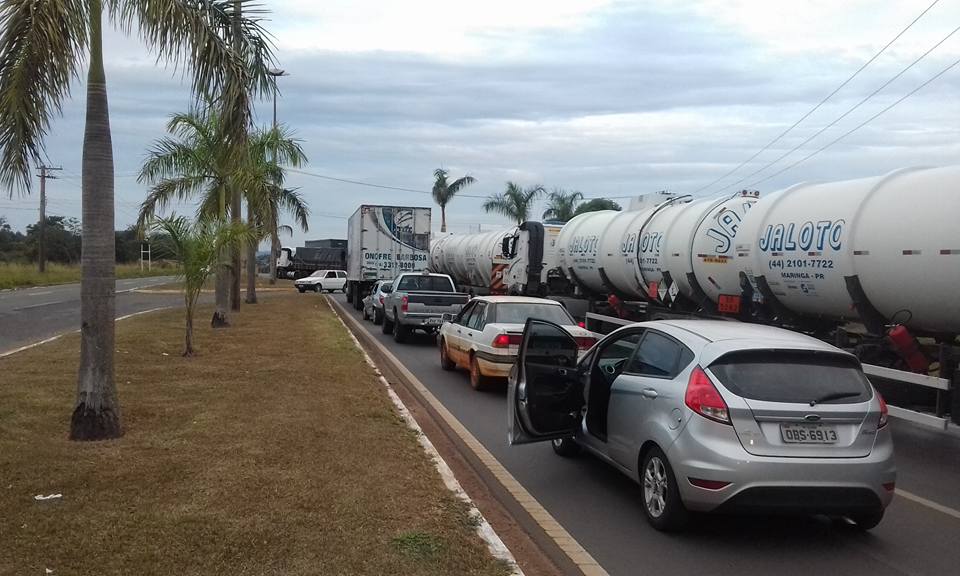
518	312
319	274
427	283
793	376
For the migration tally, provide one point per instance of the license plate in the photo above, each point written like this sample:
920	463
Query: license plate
433	320
808	434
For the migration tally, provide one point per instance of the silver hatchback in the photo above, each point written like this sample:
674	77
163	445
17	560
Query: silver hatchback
711	416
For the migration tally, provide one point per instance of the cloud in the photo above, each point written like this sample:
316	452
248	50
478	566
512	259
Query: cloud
605	97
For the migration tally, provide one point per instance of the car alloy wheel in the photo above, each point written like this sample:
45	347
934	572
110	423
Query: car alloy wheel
445	361
655	485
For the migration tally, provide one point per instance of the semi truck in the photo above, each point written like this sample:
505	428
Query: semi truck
871	265
382	242
305	260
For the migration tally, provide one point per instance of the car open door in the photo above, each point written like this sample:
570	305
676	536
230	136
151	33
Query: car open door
546	395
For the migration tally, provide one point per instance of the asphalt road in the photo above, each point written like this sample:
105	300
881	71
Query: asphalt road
32	314
602	509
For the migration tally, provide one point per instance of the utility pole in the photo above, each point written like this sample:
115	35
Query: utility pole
42	241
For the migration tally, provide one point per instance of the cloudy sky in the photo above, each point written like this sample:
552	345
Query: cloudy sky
612	98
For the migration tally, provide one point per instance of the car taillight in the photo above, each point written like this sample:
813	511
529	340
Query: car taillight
381	299
585	342
582	324
703	398
507	340
404	304
884	411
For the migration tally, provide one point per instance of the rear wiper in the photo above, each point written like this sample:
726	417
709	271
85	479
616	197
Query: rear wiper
833	396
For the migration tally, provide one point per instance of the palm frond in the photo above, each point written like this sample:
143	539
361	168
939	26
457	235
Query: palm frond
41	46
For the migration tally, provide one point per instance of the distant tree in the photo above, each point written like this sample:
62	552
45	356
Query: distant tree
62	237
561	205
515	202
443	192
12	244
596	204
198	247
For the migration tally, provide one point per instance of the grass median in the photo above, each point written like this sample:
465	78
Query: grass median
273	451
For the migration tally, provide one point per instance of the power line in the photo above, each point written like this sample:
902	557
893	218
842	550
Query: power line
369	184
821	103
861	125
854	107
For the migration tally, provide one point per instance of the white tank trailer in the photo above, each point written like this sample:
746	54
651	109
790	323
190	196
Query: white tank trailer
516	260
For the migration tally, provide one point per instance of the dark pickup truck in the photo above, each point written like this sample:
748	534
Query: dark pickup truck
418	301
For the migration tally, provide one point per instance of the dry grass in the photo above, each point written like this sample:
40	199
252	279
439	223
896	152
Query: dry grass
23	275
274	451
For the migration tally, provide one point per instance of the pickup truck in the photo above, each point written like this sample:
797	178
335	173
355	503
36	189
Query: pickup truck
418	301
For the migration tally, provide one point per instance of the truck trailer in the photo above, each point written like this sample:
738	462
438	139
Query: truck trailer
382	242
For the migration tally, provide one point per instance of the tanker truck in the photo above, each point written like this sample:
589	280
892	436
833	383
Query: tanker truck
521	260
869	264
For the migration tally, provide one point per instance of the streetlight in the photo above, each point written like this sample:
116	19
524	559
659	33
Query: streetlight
276	73
274	241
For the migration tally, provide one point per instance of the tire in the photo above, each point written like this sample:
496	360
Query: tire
445	362
868	520
477	380
317	288
387	326
365	315
301	289
566	447
349	294
661	497
400	332
377	317
344	289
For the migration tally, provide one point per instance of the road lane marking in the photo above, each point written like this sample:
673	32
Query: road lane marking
40	293
62	334
563	539
929	503
484	530
40	305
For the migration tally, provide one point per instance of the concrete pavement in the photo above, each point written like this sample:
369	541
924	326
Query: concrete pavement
32	314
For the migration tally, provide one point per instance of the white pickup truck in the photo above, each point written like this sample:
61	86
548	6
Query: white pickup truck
418	301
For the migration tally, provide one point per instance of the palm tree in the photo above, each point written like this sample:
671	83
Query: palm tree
197	247
443	192
193	162
562	204
42	48
515	203
595	205
267	199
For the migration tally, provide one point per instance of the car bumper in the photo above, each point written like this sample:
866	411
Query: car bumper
707	450
495	365
425	322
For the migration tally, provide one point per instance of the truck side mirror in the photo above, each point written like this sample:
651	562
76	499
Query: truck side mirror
505	247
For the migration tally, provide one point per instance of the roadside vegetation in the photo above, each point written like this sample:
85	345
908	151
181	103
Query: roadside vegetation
17	275
232	462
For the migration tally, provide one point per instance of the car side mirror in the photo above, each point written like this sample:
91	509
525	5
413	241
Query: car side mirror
447	317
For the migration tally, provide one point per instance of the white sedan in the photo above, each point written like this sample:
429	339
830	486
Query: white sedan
323	281
485	336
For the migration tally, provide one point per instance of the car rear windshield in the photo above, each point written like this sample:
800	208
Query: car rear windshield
793	376
517	313
426	283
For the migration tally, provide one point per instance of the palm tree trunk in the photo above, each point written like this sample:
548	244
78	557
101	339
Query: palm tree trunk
251	263
443	219
188	336
96	415
221	297
235	200
274	253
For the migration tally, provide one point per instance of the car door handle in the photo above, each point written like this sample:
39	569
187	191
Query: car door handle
649	393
